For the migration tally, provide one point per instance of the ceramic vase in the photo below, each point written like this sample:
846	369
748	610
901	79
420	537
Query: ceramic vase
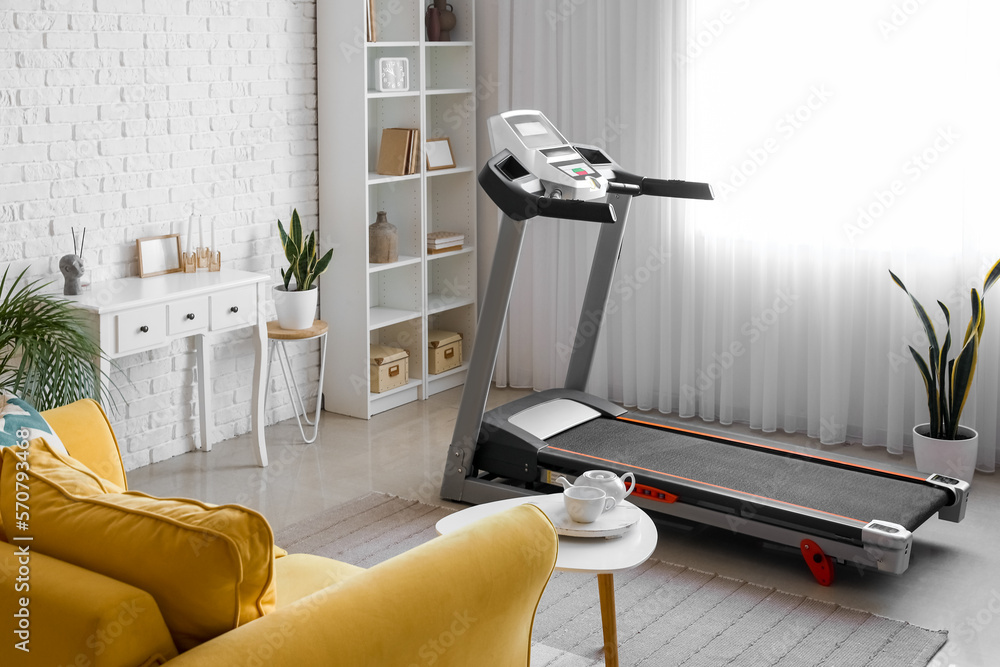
295	309
383	241
432	19
954	458
446	18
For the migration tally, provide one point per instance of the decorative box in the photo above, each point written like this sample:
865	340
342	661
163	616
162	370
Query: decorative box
444	351
440	242
390	367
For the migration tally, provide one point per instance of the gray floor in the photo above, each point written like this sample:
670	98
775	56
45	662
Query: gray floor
952	581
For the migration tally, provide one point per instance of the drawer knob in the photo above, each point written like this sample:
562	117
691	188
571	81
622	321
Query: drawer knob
190	316
234	309
144	329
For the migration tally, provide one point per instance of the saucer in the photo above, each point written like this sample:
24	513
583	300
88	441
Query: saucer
612	523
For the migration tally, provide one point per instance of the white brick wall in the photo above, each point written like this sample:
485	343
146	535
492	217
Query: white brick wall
131	118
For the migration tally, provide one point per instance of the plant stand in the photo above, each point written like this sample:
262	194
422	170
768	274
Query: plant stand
277	337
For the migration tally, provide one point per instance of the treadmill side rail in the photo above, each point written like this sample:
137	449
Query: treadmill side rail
888	544
959	489
845	552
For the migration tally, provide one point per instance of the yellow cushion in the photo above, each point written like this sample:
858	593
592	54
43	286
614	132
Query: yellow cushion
209	568
84	429
80	618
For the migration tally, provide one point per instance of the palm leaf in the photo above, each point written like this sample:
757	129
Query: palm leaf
47	355
323	263
319	268
931	386
282	234
977	312
945	408
982	319
289	248
296	231
961	381
302	271
991	277
925	320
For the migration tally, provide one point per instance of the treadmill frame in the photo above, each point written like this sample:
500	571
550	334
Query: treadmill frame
874	547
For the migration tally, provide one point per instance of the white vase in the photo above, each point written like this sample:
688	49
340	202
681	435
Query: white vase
954	458
295	309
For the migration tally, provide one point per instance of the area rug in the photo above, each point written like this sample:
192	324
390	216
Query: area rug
667	614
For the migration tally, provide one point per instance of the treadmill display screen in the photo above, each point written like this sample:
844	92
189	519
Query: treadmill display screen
531	129
578	169
560	152
534	131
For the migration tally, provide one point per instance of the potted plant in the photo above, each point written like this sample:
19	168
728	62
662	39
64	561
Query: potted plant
296	303
943	445
47	356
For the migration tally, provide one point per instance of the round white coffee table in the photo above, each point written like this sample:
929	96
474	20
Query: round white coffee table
599	556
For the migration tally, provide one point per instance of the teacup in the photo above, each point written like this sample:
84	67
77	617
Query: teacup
585	503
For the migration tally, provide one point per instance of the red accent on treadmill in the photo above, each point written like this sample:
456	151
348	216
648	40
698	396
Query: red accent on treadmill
651	493
819	563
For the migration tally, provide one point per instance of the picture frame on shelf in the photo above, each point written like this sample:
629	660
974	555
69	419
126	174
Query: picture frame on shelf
393	75
439	155
158	255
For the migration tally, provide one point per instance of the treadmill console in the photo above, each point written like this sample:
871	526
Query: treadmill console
539	149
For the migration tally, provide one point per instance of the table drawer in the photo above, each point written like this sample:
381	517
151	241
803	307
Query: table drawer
142	328
234	308
187	316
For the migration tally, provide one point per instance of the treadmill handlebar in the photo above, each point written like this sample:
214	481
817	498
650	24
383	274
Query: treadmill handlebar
615	188
501	179
678	189
657	187
574	209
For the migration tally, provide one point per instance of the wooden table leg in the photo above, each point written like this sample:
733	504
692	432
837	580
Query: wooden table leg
606	586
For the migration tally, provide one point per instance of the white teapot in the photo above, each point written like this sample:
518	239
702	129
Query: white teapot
605	480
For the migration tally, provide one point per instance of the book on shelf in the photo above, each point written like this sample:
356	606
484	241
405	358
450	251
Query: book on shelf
370	31
440	242
397	150
414	149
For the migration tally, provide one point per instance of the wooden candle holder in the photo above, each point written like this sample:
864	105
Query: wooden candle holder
215	264
189	262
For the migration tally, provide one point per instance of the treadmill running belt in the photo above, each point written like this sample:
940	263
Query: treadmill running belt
827	488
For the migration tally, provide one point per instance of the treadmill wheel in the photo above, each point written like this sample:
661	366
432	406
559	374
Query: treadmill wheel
819	563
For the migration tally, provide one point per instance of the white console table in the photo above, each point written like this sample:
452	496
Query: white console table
133	315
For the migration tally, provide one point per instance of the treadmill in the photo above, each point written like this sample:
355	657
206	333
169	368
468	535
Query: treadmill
831	509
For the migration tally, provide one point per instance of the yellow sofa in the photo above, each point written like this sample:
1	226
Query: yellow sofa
467	598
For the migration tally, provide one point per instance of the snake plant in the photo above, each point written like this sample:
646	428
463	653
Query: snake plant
301	256
47	356
948	381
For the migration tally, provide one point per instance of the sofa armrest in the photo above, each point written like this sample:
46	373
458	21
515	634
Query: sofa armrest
76	617
85	430
466	598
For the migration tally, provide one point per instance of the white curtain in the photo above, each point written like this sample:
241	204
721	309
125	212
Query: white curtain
841	143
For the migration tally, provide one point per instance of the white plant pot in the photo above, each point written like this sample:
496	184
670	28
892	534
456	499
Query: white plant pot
295	310
954	458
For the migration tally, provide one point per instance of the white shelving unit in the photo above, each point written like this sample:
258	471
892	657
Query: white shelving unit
398	303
